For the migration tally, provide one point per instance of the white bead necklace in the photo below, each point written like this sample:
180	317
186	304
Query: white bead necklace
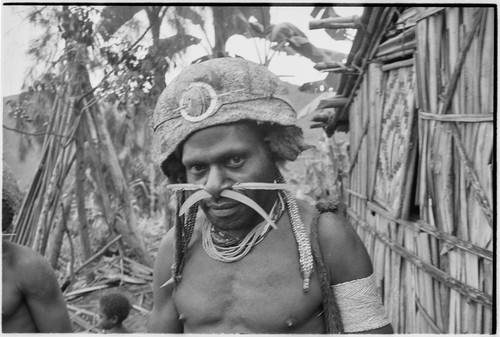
243	246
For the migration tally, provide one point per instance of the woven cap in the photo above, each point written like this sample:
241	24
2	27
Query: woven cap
215	92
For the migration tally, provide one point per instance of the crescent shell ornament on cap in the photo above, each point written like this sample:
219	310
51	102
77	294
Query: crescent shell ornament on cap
214	92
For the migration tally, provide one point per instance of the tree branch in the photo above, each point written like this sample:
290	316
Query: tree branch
33	134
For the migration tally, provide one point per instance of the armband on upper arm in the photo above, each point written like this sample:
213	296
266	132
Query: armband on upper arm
360	305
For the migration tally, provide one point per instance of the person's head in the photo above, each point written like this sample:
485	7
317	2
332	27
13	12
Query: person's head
221	122
11	198
113	310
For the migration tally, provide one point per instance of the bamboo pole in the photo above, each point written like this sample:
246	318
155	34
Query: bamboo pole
365	107
449	239
80	175
470	292
425	289
330	23
412	274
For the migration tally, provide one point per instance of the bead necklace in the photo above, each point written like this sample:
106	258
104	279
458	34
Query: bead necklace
225	248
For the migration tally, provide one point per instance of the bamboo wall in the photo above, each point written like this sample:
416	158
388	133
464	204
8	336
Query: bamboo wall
420	187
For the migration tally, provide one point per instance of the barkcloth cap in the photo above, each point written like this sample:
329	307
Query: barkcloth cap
214	92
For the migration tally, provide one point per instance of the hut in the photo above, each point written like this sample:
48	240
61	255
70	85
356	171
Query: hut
417	91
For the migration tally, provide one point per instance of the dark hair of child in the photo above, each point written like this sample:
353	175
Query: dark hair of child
115	304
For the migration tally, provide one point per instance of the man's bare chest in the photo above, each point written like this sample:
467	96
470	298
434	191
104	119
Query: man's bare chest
263	290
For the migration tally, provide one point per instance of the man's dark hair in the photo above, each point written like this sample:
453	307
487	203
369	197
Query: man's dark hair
7	215
284	142
11	198
115	304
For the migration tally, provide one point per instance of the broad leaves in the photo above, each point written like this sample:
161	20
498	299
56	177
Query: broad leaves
113	17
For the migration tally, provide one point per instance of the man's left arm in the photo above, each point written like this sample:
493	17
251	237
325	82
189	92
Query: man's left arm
350	270
44	297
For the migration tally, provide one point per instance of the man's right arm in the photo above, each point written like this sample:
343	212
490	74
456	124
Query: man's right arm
164	317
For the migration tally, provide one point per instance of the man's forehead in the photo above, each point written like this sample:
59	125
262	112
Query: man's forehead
243	129
221	139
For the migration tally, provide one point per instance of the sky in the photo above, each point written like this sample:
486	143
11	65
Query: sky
17	34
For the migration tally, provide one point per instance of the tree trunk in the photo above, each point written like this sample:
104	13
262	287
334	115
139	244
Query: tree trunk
153	13
220	35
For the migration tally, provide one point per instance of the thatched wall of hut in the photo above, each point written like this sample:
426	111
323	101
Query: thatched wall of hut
420	194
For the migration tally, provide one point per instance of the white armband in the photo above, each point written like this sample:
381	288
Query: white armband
360	305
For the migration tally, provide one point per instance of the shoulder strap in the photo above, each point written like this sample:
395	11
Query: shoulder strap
333	322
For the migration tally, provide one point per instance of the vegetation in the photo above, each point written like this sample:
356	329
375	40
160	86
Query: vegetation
95	183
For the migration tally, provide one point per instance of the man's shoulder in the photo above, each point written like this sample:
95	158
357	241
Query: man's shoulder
343	251
23	257
32	270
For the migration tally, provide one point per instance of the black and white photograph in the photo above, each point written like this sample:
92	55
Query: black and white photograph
249	168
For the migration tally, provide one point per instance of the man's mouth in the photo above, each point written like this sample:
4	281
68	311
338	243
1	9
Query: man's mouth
221	209
202	194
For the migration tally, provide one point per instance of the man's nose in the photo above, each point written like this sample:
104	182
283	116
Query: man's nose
216	182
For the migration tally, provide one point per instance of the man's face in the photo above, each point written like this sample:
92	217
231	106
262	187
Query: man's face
218	157
106	322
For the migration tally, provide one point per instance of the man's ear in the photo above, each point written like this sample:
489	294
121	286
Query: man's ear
114	319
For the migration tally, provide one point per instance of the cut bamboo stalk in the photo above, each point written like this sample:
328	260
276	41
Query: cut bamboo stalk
454	298
374	76
429	11
352	22
488	62
389	286
99	253
396	262
435	285
397	65
355	194
334	102
472	175
444	108
452	21
421	225
460	118
365	103
433	57
467	291
83	291
400	41
421	57
409	245
407	53
425	284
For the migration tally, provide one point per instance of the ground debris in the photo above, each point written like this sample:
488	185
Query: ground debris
110	274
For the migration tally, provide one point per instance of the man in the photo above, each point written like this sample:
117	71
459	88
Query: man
244	263
31	298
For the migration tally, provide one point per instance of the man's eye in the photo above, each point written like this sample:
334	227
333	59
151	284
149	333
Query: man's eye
235	162
197	168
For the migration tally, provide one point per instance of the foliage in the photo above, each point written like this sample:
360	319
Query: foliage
132	72
326	168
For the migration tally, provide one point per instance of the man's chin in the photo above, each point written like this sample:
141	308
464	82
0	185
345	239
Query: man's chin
224	220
